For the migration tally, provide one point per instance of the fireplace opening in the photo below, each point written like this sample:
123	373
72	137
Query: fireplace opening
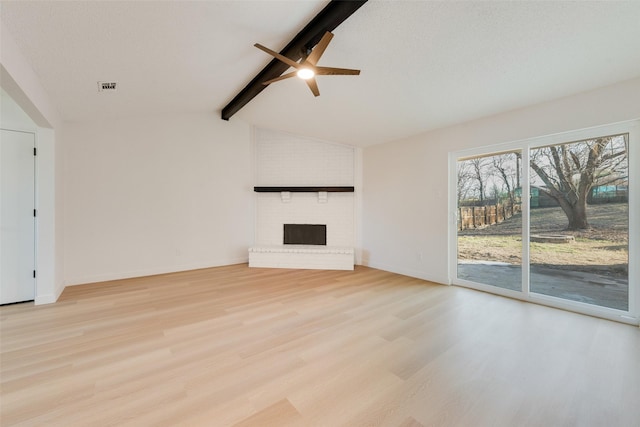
305	234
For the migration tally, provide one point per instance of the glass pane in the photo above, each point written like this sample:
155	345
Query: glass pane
580	221
490	221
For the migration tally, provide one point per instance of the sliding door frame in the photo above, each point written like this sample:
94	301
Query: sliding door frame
632	128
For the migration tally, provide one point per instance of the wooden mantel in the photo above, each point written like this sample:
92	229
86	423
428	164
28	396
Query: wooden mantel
303	189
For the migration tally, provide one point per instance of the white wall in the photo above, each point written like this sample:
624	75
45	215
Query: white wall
156	194
12	116
22	84
405	207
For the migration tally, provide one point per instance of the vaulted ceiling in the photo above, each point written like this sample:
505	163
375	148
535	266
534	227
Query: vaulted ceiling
425	64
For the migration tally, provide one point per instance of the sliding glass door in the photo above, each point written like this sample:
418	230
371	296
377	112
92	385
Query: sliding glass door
568	243
489	228
579	229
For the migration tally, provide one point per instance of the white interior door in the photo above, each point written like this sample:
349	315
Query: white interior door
17	237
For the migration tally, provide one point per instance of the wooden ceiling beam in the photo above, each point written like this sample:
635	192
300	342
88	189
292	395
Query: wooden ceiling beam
335	13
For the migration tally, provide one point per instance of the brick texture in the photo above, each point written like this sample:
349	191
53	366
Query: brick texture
286	160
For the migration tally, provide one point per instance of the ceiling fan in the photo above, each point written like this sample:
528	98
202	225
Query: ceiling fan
308	68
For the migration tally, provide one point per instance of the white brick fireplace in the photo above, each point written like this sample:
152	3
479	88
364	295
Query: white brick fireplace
284	160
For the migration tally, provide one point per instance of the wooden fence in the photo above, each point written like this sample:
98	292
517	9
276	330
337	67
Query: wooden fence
483	216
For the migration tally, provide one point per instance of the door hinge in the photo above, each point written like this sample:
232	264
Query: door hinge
34	274
35	213
35	150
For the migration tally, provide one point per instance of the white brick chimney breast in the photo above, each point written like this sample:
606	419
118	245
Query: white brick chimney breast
284	160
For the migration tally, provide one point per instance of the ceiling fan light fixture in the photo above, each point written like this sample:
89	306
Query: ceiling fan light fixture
305	73
307	69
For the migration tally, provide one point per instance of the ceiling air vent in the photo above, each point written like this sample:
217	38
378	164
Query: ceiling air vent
107	86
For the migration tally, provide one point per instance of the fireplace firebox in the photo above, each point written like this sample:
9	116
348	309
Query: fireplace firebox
305	234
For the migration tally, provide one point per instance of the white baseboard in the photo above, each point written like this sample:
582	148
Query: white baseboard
45	299
48	298
83	280
408	272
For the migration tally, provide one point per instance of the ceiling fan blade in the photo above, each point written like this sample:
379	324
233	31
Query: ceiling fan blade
288	61
313	85
282	77
317	51
329	71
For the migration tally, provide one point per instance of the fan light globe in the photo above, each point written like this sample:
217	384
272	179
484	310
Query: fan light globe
305	73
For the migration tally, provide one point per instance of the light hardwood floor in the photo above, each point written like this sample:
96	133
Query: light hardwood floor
234	346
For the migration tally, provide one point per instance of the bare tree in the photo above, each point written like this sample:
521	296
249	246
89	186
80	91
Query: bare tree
479	173
464	182
568	172
506	168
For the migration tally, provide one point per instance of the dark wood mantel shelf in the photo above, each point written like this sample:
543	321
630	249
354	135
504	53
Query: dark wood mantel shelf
303	189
